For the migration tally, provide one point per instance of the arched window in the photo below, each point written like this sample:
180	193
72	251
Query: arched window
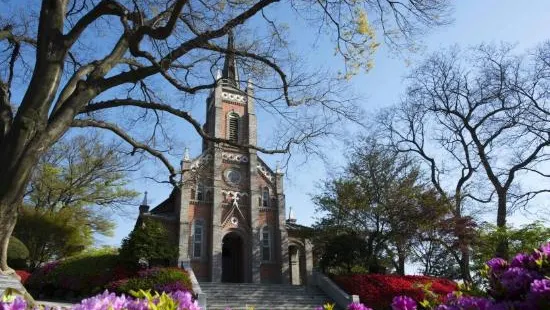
233	127
200	192
198	235
266	244
265	197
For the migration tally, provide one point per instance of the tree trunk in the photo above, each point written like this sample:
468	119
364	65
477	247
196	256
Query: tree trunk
14	177
465	265
8	218
502	244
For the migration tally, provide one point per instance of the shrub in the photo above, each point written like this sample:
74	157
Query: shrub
17	254
143	301
84	274
157	279
378	291
24	275
149	241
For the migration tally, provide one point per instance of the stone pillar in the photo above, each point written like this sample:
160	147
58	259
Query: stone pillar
255	243
283	236
217	183
184	226
295	266
182	207
309	260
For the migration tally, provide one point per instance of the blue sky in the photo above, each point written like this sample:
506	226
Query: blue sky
490	21
526	23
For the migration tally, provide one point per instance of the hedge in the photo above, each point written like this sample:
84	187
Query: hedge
81	275
157	279
377	291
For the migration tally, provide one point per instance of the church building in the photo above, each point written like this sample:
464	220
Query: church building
228	215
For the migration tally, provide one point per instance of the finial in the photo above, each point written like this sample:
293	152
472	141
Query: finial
291	216
186	155
249	84
278	168
218	74
144	202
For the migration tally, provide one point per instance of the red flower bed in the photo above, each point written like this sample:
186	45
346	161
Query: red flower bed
24	275
377	291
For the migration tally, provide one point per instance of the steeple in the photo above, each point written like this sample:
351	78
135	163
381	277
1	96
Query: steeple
144	206
229	73
291	216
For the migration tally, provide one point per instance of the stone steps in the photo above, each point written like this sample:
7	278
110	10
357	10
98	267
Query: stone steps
243	296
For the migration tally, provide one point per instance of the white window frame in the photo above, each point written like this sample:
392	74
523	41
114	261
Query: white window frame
230	116
266	231
200	191
199	223
265	200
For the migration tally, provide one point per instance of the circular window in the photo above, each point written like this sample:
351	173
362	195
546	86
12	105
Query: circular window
233	176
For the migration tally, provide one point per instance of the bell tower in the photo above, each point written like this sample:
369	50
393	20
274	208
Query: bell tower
229	110
231	211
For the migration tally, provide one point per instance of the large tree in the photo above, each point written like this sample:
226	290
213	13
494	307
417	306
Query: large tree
479	120
79	63
75	187
381	198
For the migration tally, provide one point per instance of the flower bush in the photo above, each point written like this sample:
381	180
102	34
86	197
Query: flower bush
520	284
378	291
24	275
81	275
142	300
159	279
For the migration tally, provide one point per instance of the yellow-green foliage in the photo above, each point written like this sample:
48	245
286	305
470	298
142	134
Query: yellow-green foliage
156	301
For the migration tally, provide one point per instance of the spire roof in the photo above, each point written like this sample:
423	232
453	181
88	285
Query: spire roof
144	202
229	73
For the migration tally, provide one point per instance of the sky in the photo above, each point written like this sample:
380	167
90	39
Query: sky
525	23
489	21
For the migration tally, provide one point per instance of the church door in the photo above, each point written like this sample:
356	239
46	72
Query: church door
232	258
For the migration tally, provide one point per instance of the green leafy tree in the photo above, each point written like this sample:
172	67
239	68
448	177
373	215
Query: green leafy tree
54	235
17	254
343	253
381	198
148	241
76	186
78	172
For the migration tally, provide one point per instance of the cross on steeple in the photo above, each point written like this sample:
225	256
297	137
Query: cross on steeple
230	74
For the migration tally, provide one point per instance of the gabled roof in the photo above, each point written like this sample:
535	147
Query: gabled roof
168	205
298	230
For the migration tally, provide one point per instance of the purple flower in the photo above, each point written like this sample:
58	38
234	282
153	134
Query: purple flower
512	305
455	302
539	294
545	249
316	308
170	287
357	306
16	304
521	260
403	303
497	264
516	280
185	301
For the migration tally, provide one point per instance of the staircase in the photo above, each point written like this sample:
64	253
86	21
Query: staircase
241	296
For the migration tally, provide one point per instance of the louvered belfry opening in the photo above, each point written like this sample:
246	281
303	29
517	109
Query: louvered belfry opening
234	128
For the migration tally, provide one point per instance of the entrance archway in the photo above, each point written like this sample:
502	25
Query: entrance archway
296	260
232	258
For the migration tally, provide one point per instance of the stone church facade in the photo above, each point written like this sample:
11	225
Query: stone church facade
228	216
